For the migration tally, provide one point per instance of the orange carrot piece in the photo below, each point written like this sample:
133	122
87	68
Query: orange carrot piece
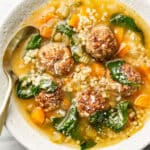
66	104
46	32
145	70
119	34
74	20
97	69
123	51
142	100
45	18
51	113
38	116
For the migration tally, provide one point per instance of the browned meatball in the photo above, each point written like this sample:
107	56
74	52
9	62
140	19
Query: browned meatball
89	101
132	75
49	101
56	58
101	43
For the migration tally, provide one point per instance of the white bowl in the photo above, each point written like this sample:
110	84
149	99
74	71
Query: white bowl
19	128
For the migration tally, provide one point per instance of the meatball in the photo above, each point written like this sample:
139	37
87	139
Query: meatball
49	101
132	75
56	58
101	43
89	101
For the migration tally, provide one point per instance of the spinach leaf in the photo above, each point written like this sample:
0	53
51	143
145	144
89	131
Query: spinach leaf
114	118
87	144
65	29
48	85
69	122
126	22
97	119
56	121
76	135
77	52
75	57
117	117
77	49
69	127
84	143
34	42
27	91
117	73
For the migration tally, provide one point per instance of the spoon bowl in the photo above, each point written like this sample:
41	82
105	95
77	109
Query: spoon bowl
22	34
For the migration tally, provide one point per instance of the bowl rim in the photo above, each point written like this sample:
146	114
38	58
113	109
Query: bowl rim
142	8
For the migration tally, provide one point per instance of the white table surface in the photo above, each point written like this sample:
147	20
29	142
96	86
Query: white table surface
7	142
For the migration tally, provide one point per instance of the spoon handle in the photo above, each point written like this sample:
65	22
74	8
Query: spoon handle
5	104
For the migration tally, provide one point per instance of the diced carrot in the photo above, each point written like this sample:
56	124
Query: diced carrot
66	104
145	70
46	31
38	116
97	69
124	50
45	18
119	34
50	114
142	100
74	20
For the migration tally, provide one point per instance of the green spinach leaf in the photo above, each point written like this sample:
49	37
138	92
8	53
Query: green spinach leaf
77	52
76	135
65	29
69	127
75	57
84	143
34	42
97	119
117	73
56	121
114	118
69	122
27	91
48	85
87	144
117	117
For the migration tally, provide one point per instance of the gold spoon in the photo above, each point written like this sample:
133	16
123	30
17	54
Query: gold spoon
22	34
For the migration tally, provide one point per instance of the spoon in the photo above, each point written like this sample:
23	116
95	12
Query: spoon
21	35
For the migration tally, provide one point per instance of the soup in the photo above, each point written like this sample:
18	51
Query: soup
84	78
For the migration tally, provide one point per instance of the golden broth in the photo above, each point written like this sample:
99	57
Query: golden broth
102	6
